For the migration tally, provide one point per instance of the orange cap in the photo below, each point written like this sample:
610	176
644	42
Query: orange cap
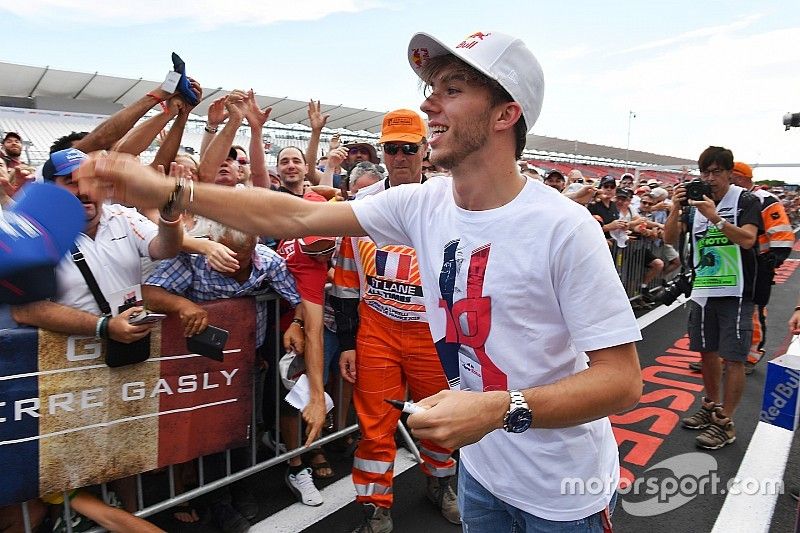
402	125
743	169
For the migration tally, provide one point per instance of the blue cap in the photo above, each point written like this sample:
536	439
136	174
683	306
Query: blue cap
35	233
62	163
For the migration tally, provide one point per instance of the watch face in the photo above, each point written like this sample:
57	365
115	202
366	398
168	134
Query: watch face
519	420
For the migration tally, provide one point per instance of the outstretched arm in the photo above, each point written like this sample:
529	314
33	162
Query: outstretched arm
257	211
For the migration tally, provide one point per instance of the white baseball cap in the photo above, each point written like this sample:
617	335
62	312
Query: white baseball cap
499	56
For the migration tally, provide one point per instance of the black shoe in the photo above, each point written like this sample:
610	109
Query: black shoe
229	519
245	503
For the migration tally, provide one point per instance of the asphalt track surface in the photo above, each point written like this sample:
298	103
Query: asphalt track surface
647	436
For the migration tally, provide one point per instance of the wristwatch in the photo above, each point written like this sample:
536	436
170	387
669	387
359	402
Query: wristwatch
519	416
721	224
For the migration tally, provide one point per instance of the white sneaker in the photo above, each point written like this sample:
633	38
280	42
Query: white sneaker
302	484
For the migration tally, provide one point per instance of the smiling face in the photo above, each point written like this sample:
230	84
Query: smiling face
292	168
459	117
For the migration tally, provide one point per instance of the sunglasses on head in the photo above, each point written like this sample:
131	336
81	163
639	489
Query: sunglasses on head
408	148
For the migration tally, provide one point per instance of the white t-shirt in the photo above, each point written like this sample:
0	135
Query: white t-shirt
533	288
123	237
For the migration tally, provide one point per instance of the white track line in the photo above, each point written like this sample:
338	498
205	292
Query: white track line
297	517
764	462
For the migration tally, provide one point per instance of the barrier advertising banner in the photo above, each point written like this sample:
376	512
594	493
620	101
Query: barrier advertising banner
67	420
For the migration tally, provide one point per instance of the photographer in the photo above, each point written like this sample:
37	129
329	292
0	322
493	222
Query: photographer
725	223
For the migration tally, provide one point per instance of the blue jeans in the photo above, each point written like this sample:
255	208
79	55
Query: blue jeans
482	512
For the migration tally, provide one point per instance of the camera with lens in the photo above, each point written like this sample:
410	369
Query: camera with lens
791	120
696	189
681	284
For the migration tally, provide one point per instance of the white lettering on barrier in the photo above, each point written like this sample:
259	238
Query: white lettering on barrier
77	351
187	384
63	400
206	384
129	392
126	391
32	410
89	398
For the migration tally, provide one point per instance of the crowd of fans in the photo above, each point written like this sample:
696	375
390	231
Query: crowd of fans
182	260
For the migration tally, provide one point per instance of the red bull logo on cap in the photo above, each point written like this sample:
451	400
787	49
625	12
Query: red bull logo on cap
472	40
420	56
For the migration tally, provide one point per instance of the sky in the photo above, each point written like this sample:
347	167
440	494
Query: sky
694	73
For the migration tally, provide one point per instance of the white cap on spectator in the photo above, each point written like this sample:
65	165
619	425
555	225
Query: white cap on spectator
499	56
659	193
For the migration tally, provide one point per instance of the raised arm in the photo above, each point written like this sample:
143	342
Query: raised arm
172	142
317	121
120	123
216	116
256	118
216	152
139	138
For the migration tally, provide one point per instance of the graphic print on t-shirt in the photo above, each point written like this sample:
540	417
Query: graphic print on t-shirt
392	285
468	324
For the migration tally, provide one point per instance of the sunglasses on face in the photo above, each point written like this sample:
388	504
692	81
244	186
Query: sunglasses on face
647	203
243	161
358	150
408	148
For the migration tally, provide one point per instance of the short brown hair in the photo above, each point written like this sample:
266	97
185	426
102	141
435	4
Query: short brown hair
462	71
715	154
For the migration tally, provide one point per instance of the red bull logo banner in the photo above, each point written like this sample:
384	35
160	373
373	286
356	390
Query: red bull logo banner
67	420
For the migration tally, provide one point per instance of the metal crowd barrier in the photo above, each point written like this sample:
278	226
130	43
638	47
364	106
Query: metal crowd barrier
230	476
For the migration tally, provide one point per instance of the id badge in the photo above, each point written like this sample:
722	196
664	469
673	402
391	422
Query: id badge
122	300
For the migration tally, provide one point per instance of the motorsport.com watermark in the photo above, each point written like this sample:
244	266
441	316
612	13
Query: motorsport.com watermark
671	484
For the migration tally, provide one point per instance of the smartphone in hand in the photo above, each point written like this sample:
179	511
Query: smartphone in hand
145	317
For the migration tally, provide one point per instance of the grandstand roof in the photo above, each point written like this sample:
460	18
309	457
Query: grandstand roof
26	81
29	82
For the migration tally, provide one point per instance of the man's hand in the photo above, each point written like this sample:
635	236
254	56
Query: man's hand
335	143
456	418
314	416
235	105
707	208
336	157
794	323
294	339
347	365
327	192
197	89
220	257
316	119
193	318
616	224
216	112
256	117
584	195
121	330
